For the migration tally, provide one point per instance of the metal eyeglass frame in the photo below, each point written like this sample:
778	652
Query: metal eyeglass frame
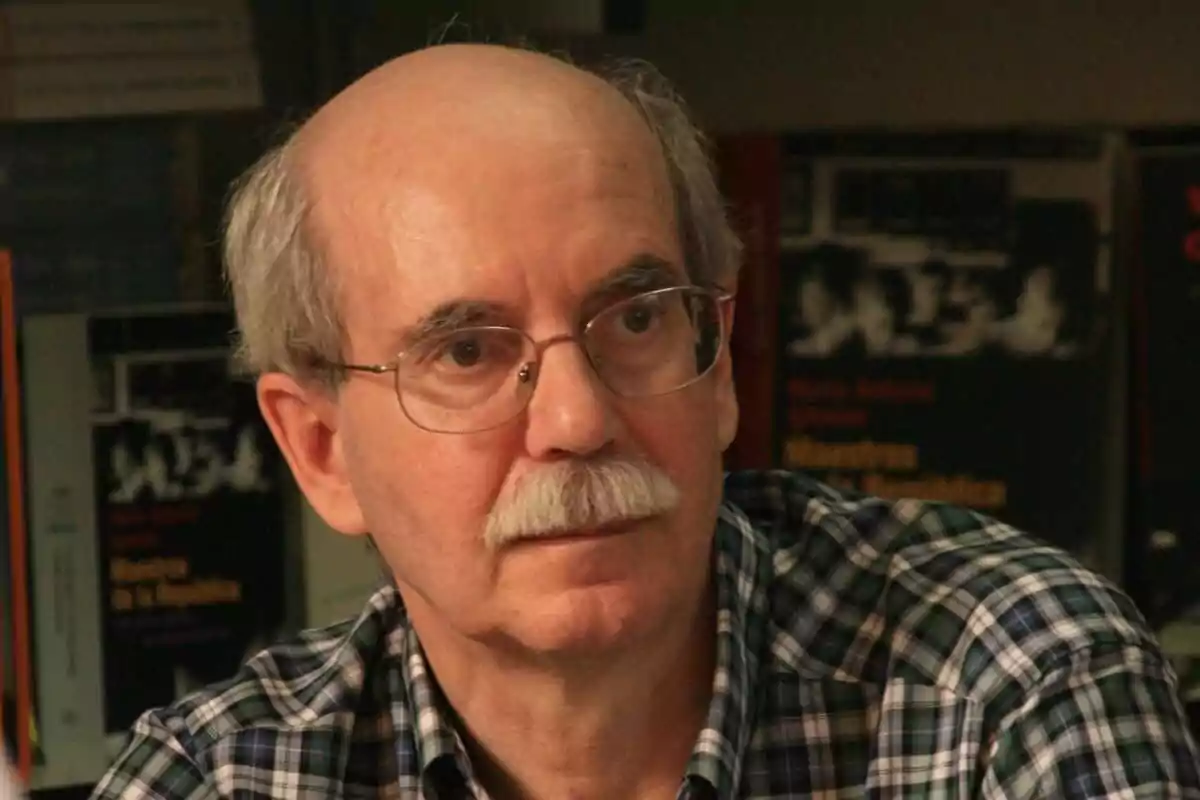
529	370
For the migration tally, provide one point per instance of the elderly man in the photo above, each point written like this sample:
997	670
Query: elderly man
487	296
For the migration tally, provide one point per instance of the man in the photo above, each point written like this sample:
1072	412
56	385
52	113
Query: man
487	296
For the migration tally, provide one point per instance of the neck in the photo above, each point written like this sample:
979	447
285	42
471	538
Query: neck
621	726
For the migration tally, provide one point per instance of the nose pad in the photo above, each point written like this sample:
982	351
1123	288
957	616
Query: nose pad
527	374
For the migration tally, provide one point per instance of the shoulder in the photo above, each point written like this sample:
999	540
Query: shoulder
313	681
290	684
905	590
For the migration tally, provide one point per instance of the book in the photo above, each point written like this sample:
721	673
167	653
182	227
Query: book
115	86
1164	541
935	316
44	30
16	712
100	173
156	520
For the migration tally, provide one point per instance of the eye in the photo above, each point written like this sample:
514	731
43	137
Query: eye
473	352
640	317
463	352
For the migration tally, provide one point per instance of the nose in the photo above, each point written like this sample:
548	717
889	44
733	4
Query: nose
570	412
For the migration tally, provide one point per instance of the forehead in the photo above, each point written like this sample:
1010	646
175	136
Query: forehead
530	218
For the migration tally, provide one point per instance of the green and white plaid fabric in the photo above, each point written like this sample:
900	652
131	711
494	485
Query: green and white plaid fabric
866	648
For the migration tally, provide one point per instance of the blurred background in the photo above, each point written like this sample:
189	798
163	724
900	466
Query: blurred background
971	275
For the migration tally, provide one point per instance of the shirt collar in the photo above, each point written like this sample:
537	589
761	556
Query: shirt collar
437	742
741	565
742	569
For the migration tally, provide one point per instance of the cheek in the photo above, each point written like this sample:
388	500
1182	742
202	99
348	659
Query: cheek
679	434
424	496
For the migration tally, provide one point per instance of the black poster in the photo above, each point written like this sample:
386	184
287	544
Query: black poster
189	510
1165	546
945	334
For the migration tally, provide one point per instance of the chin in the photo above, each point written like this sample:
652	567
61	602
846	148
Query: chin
588	620
591	595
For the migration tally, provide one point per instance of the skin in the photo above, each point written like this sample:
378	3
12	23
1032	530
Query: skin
480	173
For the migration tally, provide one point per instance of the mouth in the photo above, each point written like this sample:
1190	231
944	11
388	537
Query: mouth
607	531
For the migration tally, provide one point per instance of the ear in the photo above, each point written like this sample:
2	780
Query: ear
727	403
304	422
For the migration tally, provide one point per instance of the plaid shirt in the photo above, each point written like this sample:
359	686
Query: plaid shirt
864	648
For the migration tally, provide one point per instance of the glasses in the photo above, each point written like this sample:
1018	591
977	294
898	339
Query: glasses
478	378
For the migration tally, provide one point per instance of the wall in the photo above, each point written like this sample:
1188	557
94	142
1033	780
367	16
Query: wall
927	62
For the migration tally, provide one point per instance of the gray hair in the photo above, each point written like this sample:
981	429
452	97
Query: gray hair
287	300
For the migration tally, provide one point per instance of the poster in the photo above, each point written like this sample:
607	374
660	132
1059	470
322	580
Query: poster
946	326
189	509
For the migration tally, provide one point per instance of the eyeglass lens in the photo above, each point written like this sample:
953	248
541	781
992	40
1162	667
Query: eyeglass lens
476	378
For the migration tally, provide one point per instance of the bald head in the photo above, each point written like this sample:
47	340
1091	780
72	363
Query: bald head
461	120
440	132
477	86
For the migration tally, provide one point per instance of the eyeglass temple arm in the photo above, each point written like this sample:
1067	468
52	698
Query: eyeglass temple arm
376	369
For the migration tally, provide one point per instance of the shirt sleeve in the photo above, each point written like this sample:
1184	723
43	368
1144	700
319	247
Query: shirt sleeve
153	765
1107	725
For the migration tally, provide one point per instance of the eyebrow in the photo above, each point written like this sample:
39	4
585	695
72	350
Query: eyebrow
448	317
644	272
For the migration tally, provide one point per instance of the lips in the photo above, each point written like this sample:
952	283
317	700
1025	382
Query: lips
605	531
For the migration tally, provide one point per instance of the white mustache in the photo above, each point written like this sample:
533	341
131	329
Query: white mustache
578	495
